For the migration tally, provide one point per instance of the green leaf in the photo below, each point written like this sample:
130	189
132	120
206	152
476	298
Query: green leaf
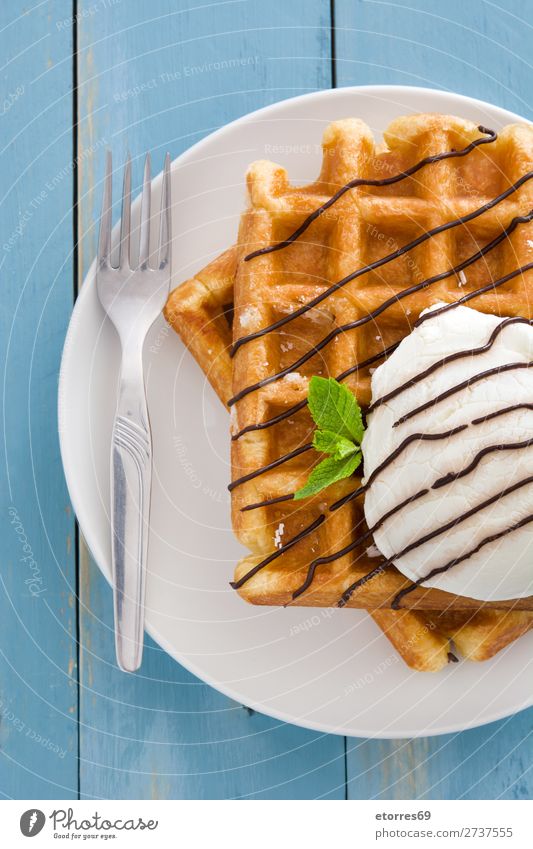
331	443
334	408
327	472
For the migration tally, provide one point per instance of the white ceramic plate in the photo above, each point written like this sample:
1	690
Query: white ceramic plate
331	670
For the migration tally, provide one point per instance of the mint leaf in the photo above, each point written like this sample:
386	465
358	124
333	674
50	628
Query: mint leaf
334	408
339	433
331	443
327	472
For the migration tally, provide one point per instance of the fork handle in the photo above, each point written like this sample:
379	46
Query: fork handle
131	479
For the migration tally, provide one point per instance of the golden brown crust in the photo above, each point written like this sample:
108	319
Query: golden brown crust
481	635
200	311
416	638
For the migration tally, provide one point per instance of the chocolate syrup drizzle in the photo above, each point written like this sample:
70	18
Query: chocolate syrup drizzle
270	466
335	287
268	501
275	554
519	219
467	352
460	386
301	404
395	604
387	181
475	294
502	412
378	263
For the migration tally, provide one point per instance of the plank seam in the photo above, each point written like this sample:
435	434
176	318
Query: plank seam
75	261
333	45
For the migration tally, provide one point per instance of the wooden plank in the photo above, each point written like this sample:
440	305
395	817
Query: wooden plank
38	673
479	49
482	50
491	762
165	734
154	76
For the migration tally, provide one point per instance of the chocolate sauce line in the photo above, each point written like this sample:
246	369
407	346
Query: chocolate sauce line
490	286
301	404
268	501
467	352
502	412
275	554
270	422
273	465
385	181
320	561
519	219
413	437
442	228
347	594
489	449
368	362
460	386
395	604
360	490
434	534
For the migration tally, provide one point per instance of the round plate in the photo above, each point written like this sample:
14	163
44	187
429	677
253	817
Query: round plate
331	670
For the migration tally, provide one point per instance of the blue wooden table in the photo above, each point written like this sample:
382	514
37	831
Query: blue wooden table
77	77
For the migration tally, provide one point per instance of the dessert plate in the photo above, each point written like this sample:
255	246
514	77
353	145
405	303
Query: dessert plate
331	670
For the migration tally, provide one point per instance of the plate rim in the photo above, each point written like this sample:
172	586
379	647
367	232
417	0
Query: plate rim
73	489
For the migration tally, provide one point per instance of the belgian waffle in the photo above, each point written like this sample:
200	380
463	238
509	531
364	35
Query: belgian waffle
464	219
200	311
422	637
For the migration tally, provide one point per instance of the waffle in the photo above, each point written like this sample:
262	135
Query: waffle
363	226
200	311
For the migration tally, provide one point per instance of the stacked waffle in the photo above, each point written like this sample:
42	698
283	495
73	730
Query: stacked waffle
335	301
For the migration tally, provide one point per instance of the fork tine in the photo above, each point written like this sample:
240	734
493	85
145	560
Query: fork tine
165	225
104	241
125	220
144	241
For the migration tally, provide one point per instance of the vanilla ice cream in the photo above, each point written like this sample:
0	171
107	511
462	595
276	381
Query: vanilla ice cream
450	475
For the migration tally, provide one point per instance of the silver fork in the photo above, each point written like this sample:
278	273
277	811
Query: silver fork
132	298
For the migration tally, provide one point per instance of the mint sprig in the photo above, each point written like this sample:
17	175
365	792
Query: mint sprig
339	433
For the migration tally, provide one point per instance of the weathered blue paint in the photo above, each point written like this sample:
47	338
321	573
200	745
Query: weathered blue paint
160	76
38	689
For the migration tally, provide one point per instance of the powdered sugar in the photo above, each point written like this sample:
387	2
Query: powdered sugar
248	316
278	534
296	380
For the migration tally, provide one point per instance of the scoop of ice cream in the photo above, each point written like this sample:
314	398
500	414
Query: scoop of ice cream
461	465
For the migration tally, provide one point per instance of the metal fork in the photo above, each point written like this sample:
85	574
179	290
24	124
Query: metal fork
132	298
